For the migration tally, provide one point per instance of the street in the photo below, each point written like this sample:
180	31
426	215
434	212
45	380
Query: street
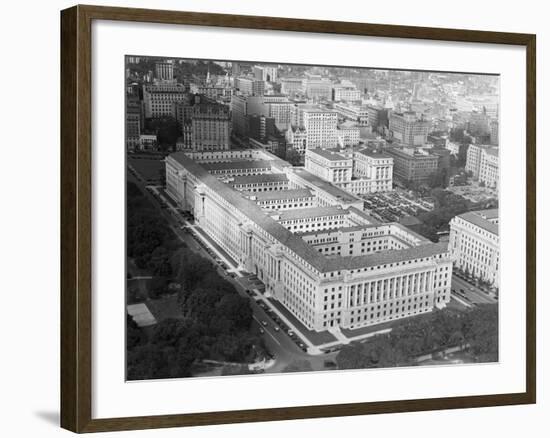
463	289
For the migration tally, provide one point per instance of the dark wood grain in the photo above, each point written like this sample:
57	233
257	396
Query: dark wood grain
76	223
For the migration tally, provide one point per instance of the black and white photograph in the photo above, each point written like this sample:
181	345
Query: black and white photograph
285	218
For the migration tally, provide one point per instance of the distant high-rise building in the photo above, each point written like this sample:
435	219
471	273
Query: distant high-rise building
408	129
260	127
320	126
345	91
210	127
158	98
318	88
164	71
251	87
133	123
291	86
239	112
265	73
415	165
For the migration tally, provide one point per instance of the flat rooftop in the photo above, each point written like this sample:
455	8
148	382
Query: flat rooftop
374	154
477	218
320	183
329	154
304	213
280	194
294	242
262	178
242	164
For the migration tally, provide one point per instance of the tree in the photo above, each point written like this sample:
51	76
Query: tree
169	331
167	131
134	335
298	366
157	287
481	332
439	178
293	157
235	370
236	309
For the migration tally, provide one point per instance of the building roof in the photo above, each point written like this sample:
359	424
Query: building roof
416	155
261	178
329	154
294	242
348	124
279	194
245	164
323	185
491	213
481	219
304	213
374	153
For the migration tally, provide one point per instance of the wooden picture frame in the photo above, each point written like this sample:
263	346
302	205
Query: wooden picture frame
76	217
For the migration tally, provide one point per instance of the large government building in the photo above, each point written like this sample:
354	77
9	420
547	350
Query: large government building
474	244
312	245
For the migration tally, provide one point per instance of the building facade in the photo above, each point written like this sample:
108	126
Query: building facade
331	265
354	113
483	162
357	172
408	129
320	126
415	165
164	71
210	127
345	91
349	134
158	98
251	87
474	244
265	73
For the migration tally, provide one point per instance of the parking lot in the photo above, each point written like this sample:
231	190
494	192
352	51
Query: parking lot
392	206
474	192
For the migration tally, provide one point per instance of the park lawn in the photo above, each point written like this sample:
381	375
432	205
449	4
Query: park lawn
149	169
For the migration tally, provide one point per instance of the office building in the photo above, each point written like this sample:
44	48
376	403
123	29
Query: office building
291	86
133	123
413	165
474	244
317	88
210	127
357	172
348	134
355	113
483	162
164	71
250	86
320	126
331	265
345	91
265	73
408	129
159	98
